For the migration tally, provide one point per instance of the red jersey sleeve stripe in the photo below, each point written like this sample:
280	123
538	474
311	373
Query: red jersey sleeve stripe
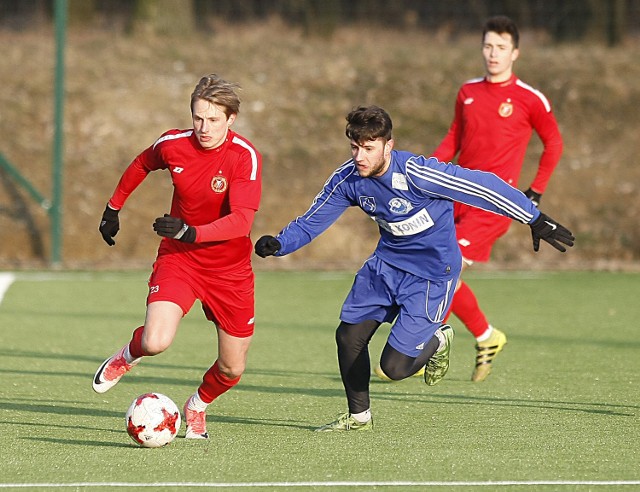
254	157
540	95
173	137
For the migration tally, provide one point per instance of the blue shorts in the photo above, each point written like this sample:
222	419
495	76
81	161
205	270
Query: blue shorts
384	293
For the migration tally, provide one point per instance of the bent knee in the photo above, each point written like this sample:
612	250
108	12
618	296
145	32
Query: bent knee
155	345
359	334
393	372
231	371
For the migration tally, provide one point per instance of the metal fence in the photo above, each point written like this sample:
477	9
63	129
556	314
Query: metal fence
590	21
565	20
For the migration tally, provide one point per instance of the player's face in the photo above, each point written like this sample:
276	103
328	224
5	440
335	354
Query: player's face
372	157
499	54
210	123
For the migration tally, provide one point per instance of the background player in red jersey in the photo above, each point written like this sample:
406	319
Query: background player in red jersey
494	118
205	252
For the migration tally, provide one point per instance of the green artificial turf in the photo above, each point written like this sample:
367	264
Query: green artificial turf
559	411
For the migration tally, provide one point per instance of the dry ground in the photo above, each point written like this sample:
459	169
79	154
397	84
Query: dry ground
123	92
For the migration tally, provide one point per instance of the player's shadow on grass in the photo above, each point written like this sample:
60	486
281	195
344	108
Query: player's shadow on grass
565	406
95	361
219	419
152	362
81	442
271	388
292	390
605	342
56	409
137	379
73	427
33	313
31	354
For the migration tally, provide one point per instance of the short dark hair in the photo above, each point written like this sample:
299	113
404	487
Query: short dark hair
502	24
366	123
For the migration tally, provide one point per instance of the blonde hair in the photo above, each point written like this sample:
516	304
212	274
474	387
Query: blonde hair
218	91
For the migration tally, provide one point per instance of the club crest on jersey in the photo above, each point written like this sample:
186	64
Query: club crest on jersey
400	205
219	184
367	203
506	109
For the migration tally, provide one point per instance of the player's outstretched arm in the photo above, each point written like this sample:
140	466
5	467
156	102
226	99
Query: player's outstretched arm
109	225
549	230
267	246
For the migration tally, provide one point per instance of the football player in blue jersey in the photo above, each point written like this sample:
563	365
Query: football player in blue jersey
410	278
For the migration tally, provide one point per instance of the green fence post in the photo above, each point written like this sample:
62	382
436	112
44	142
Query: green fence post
58	140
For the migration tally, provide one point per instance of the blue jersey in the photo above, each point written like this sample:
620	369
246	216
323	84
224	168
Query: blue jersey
412	203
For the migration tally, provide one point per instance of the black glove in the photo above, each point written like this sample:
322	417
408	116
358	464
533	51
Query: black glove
109	225
544	227
267	246
533	196
175	228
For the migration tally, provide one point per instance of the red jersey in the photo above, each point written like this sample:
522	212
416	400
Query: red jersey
217	191
492	127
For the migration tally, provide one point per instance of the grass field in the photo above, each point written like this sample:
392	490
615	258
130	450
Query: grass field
559	412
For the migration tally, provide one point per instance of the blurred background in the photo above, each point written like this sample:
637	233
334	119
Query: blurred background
88	84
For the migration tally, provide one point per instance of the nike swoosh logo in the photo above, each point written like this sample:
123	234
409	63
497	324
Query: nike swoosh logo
551	224
96	379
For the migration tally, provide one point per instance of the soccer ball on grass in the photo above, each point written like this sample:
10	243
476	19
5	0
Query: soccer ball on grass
153	420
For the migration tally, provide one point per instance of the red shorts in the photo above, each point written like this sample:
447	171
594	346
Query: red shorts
477	230
227	299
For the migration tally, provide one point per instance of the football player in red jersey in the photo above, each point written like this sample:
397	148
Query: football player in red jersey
494	118
493	122
205	251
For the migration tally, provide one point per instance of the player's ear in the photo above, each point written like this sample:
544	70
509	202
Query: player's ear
388	146
231	119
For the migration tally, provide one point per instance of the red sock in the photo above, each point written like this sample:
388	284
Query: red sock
465	307
214	383
135	345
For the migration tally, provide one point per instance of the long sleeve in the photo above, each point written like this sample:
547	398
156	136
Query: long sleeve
547	129
237	224
450	144
476	188
135	174
326	208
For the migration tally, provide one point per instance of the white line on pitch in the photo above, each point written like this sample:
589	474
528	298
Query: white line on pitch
6	279
504	483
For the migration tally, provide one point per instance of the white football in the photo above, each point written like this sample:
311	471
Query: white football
153	420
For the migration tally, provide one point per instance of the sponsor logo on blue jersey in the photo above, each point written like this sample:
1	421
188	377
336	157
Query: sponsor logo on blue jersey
413	225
